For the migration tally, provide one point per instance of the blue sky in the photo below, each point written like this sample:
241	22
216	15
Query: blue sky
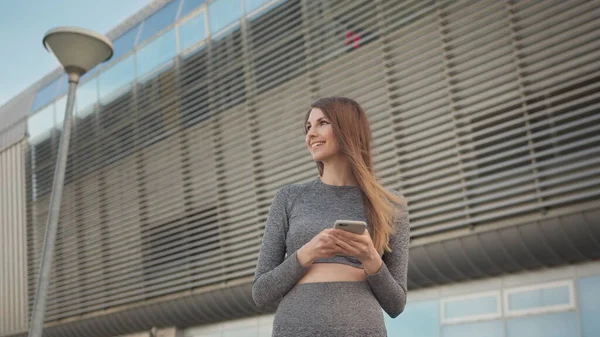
23	24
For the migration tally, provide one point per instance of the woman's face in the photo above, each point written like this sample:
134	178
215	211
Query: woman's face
320	139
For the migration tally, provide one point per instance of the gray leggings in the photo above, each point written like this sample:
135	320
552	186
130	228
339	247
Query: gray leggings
329	309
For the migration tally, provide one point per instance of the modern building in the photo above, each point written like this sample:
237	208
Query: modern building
485	115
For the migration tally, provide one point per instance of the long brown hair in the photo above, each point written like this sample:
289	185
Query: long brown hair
351	129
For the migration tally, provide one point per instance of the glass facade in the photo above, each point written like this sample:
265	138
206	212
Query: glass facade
223	13
156	53
41	123
472	307
159	21
115	78
148	57
192	31
87	96
539	298
588	290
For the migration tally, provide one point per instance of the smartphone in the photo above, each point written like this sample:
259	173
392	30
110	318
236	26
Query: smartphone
353	226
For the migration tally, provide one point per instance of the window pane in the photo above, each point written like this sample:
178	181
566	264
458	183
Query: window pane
419	319
87	96
562	324
159	21
588	290
188	6
470	307
116	77
156	53
539	298
45	95
252	5
487	329
192	31
223	13
125	42
63	85
41	122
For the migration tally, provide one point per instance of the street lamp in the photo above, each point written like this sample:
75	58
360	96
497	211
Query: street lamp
78	50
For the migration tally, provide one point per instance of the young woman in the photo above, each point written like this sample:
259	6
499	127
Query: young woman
330	282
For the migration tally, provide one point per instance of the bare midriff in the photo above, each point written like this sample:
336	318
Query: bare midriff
332	272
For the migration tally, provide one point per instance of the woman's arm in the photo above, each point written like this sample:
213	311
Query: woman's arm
275	275
389	283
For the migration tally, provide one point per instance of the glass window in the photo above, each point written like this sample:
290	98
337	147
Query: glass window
543	297
87	96
222	13
188	6
156	53
192	31
117	77
487	329
41	123
419	319
45	95
159	21
478	306
563	324
124	43
588	289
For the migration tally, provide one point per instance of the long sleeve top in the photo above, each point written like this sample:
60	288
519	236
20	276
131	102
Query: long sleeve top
301	211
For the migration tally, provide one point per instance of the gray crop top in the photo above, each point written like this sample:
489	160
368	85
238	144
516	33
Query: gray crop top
301	211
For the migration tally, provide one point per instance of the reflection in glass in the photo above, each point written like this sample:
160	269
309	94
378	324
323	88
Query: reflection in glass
188	6
40	123
45	95
471	307
156	53
563	324
223	13
158	21
192	31
539	298
420	318
116	78
125	42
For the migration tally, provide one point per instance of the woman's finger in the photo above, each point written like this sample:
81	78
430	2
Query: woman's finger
347	248
349	237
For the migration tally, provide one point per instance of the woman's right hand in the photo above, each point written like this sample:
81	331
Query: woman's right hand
322	246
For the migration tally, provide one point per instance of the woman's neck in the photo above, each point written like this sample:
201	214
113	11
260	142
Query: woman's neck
337	172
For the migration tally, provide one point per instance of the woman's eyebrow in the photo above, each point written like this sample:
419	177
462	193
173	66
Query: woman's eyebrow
318	120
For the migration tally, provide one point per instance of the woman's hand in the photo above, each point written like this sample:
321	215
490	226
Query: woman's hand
322	246
359	246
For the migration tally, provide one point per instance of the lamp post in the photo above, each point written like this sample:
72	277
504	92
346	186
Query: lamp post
78	50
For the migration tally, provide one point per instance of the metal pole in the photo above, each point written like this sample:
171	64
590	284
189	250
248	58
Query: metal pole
39	304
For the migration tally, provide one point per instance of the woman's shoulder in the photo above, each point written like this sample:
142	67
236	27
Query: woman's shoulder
296	188
401	201
290	192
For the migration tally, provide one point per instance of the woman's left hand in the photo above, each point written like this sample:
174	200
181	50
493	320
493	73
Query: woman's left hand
359	246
